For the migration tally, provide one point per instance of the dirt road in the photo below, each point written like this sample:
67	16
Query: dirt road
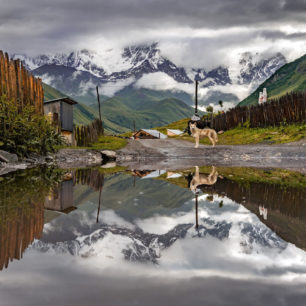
176	154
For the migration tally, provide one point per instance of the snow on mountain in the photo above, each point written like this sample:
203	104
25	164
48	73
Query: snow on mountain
136	62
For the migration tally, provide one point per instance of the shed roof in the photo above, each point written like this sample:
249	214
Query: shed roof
155	133
177	132
63	99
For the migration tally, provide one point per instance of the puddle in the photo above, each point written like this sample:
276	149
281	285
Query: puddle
128	233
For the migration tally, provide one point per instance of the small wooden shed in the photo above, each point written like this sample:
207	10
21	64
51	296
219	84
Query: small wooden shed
60	113
149	134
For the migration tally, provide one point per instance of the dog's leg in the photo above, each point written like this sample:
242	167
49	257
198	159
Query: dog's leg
197	172
197	138
212	140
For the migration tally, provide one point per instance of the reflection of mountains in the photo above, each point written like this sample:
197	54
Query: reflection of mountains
286	206
147	197
136	245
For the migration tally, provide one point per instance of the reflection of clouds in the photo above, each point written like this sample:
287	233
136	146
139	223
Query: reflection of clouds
230	242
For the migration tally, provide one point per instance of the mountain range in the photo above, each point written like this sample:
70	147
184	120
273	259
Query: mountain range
139	83
290	77
144	66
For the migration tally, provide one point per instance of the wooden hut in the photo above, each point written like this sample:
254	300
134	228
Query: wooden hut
149	134
60	113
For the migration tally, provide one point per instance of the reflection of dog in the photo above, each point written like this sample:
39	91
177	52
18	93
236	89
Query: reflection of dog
198	133
201	179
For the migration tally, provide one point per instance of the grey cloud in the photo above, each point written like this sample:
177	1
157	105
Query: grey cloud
36	26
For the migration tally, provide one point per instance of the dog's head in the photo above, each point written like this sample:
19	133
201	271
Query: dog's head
192	126
193	185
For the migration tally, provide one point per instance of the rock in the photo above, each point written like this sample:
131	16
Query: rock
8	157
221	132
109	165
109	155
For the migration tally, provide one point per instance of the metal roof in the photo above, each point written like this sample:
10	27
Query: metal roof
63	99
155	133
177	132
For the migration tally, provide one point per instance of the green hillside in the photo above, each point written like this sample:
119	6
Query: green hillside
121	111
146	107
290	77
51	93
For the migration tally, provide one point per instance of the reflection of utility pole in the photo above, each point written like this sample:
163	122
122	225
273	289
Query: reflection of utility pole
134	184
98	212
196	209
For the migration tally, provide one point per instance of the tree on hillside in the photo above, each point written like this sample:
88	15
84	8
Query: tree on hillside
210	109
221	103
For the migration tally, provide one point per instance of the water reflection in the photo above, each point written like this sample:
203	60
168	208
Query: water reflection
189	222
22	210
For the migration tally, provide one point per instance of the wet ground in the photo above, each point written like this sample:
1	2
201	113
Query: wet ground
174	153
209	235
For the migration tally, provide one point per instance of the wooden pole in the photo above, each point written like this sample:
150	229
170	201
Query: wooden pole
196	211
196	97
98	97
98	212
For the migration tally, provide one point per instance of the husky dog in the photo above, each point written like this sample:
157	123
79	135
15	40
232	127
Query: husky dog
197	133
201	179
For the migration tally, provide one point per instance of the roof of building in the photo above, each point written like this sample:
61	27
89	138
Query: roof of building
63	99
155	133
177	132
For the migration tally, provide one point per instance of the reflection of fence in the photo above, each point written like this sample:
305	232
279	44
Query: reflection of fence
86	135
290	108
90	177
19	226
19	85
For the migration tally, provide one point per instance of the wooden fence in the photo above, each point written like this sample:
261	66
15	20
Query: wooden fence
17	84
86	135
290	108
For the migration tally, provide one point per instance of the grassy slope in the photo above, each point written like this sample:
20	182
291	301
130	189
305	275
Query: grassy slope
51	93
282	134
148	108
290	77
147	114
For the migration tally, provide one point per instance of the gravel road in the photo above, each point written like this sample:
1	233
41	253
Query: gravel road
173	154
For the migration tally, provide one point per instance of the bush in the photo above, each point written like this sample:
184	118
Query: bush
24	132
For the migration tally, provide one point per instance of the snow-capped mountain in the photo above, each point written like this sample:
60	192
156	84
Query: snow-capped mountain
144	66
254	69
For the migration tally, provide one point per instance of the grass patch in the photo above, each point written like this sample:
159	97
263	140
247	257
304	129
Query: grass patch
113	170
244	135
109	143
177	125
104	143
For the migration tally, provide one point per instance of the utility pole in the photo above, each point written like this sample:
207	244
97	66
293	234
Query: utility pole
196	97
98	97
196	117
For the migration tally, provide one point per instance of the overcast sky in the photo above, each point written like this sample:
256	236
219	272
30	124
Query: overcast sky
188	31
